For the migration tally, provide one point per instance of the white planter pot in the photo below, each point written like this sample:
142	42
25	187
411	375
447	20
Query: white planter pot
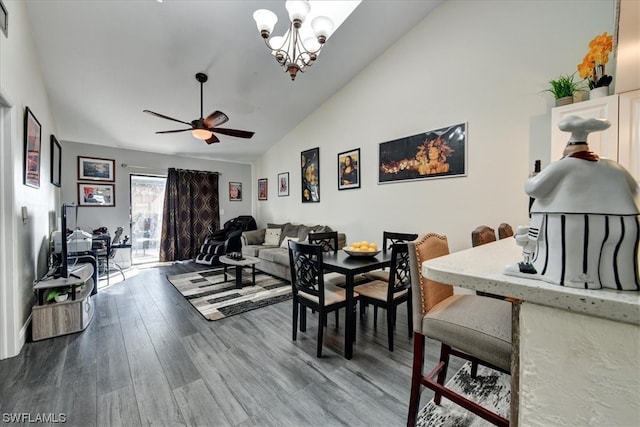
599	92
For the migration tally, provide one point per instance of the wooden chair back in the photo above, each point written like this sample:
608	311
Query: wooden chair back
305	263
389	238
327	240
504	231
482	235
426	293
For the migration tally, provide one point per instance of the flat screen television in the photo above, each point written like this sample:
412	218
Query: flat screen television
63	268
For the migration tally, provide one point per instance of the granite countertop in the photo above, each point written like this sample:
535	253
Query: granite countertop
480	269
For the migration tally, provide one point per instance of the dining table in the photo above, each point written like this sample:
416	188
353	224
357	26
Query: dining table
350	266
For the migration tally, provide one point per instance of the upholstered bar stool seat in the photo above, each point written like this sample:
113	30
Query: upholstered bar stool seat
485	332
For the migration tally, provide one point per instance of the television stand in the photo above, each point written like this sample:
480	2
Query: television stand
52	319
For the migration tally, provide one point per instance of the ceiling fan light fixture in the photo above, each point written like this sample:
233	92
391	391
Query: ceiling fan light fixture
202	134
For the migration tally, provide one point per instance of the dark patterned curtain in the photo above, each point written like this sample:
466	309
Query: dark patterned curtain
191	205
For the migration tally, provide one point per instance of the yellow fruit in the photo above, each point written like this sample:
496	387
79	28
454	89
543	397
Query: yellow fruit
364	243
370	249
373	246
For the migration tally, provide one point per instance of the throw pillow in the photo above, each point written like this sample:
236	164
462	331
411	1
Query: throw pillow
285	241
272	237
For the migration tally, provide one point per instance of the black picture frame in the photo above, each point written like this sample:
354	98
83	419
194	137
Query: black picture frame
349	169
56	161
32	149
310	175
283	184
439	153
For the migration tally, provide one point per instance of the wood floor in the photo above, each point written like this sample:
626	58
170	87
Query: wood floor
149	358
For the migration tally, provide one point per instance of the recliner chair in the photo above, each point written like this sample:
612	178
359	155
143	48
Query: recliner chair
225	240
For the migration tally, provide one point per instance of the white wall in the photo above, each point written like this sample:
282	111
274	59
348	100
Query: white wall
24	245
480	62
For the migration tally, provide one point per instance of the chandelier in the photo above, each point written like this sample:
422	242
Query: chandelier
291	51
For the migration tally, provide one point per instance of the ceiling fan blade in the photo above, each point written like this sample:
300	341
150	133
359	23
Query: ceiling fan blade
233	132
165	117
173	131
215	119
212	139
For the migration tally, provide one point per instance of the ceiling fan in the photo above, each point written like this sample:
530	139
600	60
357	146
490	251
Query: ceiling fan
204	128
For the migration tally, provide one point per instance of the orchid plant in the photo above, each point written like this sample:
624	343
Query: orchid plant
592	67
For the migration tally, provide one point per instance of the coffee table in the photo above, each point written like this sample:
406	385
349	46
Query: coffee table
239	264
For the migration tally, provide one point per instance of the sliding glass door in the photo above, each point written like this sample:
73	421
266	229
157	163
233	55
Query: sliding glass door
147	200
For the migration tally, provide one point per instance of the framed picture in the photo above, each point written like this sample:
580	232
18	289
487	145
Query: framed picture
92	169
439	153
310	168
32	149
283	184
56	161
96	194
4	20
262	189
349	169
235	191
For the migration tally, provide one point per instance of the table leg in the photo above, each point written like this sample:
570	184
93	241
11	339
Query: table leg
225	272
238	277
350	329
253	273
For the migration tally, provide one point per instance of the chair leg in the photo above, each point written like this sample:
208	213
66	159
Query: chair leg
410	317
375	317
295	319
442	375
390	325
303	319
416	389
363	309
337	319
323	316
474	369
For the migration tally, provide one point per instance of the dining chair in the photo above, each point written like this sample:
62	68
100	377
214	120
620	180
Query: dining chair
309	289
391	293
468	326
389	238
504	231
482	234
329	242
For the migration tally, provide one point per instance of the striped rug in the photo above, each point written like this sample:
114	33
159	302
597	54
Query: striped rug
491	389
217	299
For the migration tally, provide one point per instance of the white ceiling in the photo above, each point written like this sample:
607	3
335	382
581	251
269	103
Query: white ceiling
105	61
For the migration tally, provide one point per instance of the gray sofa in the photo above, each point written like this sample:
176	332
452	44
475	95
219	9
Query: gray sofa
272	252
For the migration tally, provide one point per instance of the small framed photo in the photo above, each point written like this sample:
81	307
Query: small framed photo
235	191
56	161
93	169
283	184
349	169
262	189
32	149
96	194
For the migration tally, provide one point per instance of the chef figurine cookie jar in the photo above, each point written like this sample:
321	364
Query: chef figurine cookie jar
585	219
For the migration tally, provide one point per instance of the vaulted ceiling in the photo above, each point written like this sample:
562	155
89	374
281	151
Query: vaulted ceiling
104	62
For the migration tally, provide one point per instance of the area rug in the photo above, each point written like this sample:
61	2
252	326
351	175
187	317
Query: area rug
491	389
217	299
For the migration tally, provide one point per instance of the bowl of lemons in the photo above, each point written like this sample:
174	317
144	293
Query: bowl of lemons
362	248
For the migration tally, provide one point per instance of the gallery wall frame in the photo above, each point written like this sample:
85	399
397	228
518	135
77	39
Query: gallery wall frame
56	161
96	169
439	153
283	184
235	191
349	169
263	189
310	174
96	195
32	149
